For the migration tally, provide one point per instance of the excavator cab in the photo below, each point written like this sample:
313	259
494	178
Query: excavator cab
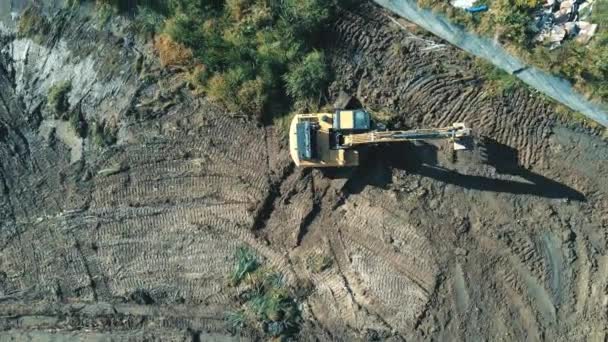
315	139
333	139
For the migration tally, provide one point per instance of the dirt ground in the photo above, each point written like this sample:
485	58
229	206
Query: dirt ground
134	241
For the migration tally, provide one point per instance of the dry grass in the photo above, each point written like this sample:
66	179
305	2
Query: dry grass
172	53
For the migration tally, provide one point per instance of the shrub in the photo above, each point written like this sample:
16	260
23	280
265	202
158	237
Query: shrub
304	16
221	90
184	30
197	78
170	52
306	80
78	123
102	134
236	320
236	8
148	21
33	23
252	97
57	98
246	47
319	262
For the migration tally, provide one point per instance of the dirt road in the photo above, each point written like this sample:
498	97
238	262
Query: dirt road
135	240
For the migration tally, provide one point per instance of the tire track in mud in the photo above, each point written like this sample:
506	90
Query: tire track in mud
144	223
104	316
420	89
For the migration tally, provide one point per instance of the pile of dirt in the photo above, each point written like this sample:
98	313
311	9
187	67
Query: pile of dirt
134	239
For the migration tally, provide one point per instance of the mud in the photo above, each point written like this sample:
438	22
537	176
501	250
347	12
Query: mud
134	241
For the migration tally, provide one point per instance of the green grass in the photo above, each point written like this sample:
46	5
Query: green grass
245	262
267	304
497	81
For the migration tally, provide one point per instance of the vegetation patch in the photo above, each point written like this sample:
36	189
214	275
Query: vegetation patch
511	22
171	53
319	262
497	81
33	23
267	304
258	57
57	98
102	134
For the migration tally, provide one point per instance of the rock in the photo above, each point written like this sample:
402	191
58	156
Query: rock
566	5
557	34
462	225
342	101
572	29
586	32
568	236
461	252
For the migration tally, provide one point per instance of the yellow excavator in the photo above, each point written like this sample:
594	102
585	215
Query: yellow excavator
333	139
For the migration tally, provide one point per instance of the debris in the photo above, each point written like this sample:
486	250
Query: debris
587	30
464	4
560	20
557	34
477	9
469	6
572	29
343	100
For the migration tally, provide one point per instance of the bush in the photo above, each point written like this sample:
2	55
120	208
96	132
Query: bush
57	98
304	16
78	123
306	80
498	81
252	97
184	30
148	21
236	8
318	263
170	52
102	134
33	23
246	48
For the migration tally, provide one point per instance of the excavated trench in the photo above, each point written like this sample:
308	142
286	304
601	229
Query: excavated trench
135	240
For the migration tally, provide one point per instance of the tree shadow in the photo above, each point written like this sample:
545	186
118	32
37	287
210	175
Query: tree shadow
422	159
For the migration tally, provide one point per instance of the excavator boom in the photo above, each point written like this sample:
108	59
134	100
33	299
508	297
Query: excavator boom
456	131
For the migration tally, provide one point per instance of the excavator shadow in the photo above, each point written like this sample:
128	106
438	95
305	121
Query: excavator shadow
423	159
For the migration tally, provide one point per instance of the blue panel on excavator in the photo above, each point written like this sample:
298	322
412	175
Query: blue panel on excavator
305	138
362	119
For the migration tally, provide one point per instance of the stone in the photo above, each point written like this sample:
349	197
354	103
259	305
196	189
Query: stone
587	31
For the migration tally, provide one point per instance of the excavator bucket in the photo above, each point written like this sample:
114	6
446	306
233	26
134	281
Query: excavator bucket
458	146
462	132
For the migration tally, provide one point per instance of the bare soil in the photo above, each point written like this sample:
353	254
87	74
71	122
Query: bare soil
134	241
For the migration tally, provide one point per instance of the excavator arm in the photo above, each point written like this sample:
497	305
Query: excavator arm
454	133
